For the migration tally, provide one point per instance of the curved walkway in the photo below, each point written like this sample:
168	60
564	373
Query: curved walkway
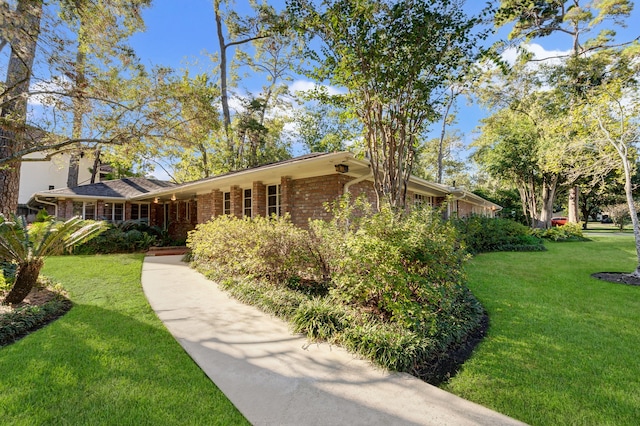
276	378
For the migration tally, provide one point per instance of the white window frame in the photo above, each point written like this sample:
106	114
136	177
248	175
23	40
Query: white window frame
83	214
270	206
226	198
112	217
247	199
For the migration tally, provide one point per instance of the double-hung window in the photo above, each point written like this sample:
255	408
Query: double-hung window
273	200
85	209
226	203
113	212
247	203
421	200
140	212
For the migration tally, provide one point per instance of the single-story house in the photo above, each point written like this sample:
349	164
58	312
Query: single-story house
300	186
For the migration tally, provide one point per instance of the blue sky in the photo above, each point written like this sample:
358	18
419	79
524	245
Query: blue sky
180	32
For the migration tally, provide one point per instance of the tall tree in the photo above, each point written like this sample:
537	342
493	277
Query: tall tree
394	58
13	99
578	19
614	109
101	27
240	30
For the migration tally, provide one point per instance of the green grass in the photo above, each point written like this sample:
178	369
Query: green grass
562	348
109	361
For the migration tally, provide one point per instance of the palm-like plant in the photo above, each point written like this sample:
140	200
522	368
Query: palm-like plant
28	248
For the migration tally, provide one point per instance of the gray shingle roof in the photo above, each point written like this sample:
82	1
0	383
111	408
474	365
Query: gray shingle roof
125	188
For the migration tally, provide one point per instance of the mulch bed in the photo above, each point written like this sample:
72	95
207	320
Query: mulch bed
617	277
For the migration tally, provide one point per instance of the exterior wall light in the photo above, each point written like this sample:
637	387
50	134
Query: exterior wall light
342	168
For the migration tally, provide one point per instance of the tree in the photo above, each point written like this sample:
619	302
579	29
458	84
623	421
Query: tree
614	107
577	19
27	248
508	149
241	30
116	100
101	27
394	58
323	127
13	100
438	160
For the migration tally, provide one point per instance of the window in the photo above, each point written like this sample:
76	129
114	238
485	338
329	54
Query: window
140	212
86	209
247	211
226	203
90	210
113	212
273	200
422	200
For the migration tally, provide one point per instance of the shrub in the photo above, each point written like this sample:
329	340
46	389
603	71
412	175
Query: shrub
483	234
400	267
388	286
272	249
321	319
566	232
126	237
279	301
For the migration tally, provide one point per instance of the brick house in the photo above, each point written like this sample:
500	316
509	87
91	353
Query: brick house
300	186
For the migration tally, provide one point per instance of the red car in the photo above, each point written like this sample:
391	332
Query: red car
559	221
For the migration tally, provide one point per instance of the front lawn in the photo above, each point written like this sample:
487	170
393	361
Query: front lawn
108	361
562	347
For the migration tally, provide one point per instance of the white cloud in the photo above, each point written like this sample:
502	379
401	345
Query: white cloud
47	92
540	54
306	86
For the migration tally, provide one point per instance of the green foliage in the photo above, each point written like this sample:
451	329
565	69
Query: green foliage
276	300
263	248
27	249
401	267
126	237
43	216
18	323
483	234
321	319
388	286
566	232
4	285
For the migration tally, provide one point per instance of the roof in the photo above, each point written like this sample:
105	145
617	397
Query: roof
314	164
121	188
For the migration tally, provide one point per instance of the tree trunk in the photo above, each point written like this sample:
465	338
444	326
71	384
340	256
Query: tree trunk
78	105
628	191
574	198
14	113
96	166
224	96
549	186
26	278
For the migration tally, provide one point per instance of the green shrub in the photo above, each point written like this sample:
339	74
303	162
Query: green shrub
483	234
566	232
389	286
276	300
401	267
126	237
390	345
18	323
321	319
271	249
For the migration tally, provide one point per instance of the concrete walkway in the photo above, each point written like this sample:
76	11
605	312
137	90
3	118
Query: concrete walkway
277	378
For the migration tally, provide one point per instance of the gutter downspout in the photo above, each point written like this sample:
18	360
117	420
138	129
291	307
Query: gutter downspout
362	178
55	206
